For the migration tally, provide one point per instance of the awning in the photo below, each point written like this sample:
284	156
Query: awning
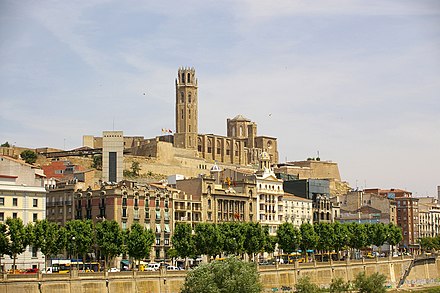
125	262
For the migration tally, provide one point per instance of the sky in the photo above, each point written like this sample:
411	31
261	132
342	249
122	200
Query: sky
357	81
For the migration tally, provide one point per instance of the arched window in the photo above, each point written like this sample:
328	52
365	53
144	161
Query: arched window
189	77
189	98
183	77
182	97
209	204
199	144
182	113
218	147
209	146
228	148
241	130
236	149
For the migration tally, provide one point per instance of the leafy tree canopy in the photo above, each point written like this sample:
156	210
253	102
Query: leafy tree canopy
230	275
29	156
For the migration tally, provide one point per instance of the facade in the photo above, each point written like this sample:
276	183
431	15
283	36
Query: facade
297	210
22	195
429	217
357	199
222	200
150	205
112	156
318	191
270	192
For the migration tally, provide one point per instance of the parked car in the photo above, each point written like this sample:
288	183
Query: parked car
113	270
173	268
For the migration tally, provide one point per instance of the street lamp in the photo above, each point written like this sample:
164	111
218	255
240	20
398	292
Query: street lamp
73	250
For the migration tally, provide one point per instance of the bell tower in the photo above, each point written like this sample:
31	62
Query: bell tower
186	109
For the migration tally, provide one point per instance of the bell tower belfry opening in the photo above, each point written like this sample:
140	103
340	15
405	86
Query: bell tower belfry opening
186	109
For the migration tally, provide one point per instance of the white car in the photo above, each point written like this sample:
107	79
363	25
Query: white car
173	268
113	270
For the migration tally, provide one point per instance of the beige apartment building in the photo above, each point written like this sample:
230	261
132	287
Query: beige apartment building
429	217
383	207
297	210
22	195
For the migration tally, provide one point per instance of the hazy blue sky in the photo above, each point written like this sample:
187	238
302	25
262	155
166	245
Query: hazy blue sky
358	81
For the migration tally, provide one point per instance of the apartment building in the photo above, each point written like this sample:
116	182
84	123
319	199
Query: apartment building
22	195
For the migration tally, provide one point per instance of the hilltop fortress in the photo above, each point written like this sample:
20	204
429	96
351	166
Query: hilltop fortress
186	151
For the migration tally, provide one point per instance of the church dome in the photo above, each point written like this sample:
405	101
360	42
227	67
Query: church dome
264	156
215	168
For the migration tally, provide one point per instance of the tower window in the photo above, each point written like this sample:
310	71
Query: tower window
189	77
183	77
189	98
189	128
182	97
182	114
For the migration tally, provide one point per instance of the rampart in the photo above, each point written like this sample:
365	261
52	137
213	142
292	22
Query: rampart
426	271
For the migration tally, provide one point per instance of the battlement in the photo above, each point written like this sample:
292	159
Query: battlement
186	76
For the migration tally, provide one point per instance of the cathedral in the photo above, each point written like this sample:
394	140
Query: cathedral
240	147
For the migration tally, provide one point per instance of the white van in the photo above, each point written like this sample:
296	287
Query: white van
153	267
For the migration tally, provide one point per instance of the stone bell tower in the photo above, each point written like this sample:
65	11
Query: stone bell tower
186	109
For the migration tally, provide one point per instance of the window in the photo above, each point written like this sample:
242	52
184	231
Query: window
167	241
158	230
2	201
2	216
34	251
124	212
35	202
35	217
15	201
136	202
124	225
147	214
14	215
157	241
157	215
167	228
182	97
157	202
124	201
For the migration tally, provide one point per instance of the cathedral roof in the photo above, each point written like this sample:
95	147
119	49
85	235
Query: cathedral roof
240	117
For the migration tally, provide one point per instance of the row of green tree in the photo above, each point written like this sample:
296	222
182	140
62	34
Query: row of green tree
252	238
430	243
77	238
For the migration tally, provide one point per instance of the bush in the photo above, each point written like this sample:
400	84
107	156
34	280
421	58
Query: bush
230	275
305	286
29	156
374	283
338	285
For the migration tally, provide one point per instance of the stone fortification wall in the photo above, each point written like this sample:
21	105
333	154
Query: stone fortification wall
171	282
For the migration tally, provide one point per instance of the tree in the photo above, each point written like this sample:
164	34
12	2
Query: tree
325	236
97	162
29	156
254	238
109	240
5	145
139	242
374	283
48	238
308	237
233	236
135	168
340	237
230	275
358	237
289	237
4	241
79	237
18	238
208	239
183	240
378	234
394	235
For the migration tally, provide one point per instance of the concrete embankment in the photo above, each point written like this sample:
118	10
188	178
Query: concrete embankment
282	276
